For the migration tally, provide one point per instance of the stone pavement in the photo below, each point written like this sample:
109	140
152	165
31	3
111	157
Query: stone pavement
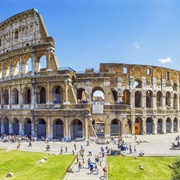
151	145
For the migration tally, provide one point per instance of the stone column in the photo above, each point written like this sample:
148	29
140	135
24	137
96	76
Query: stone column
132	100
108	127
21	128
177	101
47	93
172	126
10	126
154	101
48	128
66	91
164	101
143	125
2	64
133	125
32	129
86	133
171	100
155	125
163	125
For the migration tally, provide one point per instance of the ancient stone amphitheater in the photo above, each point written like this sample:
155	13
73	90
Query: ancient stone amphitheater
39	98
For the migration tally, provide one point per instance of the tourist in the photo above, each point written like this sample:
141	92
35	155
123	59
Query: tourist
105	171
79	166
70	170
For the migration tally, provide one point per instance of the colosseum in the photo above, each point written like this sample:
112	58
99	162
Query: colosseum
39	98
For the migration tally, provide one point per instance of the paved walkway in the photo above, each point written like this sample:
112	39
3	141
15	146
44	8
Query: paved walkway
153	145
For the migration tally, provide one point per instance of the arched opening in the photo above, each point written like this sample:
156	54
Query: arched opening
98	95
15	126
41	129
115	127
58	91
174	87
27	96
137	83
115	94
126	97
42	95
43	65
27	127
6	69
15	67
77	129
58	129
149	99
149	126
175	125
15	96
29	66
6	97
168	99
6	126
138	126
138	99
159	99
168	125
159	126
175	100
81	95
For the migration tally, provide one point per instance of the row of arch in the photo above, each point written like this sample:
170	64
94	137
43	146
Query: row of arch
168	126
22	65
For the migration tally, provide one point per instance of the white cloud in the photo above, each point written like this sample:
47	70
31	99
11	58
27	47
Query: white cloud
168	59
136	45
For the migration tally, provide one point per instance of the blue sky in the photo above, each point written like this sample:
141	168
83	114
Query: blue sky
88	33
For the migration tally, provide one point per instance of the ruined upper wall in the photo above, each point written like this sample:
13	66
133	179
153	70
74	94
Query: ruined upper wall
139	71
24	29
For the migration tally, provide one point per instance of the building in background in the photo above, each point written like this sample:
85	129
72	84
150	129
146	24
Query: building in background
39	98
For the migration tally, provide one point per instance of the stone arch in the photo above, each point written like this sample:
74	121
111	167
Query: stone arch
15	126
6	97
138	125
6	68
175	125
43	63
175	101
58	94
6	125
41	95
149	125
115	128
26	64
168	98
27	95
159	99
159	126
41	128
138	99
27	127
15	66
76	129
98	94
15	96
58	129
168	125
126	97
149	99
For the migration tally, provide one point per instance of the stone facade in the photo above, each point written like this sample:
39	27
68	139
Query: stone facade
54	103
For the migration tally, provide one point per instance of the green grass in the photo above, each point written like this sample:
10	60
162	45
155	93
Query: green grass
127	168
26	165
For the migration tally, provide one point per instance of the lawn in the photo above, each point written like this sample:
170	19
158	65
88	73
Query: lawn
26	165
127	168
